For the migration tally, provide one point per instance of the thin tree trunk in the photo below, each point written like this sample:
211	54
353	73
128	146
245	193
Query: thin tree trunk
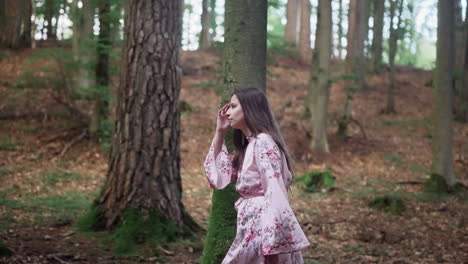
320	80
463	96
290	34
33	24
212	19
354	60
244	65
102	68
460	40
377	39
204	39
144	167
340	29
304	35
442	136
390	108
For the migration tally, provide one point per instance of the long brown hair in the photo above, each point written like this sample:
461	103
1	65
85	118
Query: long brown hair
259	119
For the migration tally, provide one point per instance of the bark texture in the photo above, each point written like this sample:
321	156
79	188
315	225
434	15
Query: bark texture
244	65
460	96
144	167
320	76
304	33
442	137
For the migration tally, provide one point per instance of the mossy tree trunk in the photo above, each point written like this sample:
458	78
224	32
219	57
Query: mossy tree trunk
212	19
442	137
144	164
244	65
355	62
319	89
377	37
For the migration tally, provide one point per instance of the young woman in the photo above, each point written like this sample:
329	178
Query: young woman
267	229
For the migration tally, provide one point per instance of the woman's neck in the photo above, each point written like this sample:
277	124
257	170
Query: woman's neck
246	131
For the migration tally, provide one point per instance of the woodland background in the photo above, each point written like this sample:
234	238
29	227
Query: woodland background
107	109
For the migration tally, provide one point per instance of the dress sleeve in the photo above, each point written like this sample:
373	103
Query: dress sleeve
219	170
281	232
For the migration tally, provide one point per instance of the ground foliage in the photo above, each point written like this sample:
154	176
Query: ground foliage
45	190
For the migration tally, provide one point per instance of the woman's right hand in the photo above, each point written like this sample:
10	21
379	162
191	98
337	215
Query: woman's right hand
222	122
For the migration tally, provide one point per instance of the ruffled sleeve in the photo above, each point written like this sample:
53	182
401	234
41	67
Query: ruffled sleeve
218	170
281	232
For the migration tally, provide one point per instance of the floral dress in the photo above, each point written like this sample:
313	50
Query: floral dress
267	229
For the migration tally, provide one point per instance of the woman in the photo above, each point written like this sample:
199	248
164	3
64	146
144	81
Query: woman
267	230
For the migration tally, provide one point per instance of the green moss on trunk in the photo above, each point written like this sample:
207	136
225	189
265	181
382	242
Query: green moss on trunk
222	225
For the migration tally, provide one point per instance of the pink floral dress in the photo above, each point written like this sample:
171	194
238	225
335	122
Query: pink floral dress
267	229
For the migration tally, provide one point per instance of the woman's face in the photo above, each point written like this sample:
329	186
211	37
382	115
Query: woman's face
235	114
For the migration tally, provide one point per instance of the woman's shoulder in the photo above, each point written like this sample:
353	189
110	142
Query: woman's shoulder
265	139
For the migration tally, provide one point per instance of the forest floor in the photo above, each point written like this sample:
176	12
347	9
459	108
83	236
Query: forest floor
47	183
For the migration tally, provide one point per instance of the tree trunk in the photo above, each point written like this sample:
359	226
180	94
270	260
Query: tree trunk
460	29
244	65
82	46
377	38
320	76
212	19
290	33
304	35
33	24
204	40
354	59
51	7
102	68
144	167
390	108
463	96
442	159
340	29
15	23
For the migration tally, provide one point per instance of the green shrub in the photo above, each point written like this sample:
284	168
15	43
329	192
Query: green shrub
391	204
316	181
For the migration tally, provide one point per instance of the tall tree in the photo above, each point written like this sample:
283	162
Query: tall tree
15	23
102	68
204	38
144	168
290	31
320	76
340	29
82	46
442	136
212	19
354	59
395	33
304	32
244	65
51	11
377	36
463	94
460	103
